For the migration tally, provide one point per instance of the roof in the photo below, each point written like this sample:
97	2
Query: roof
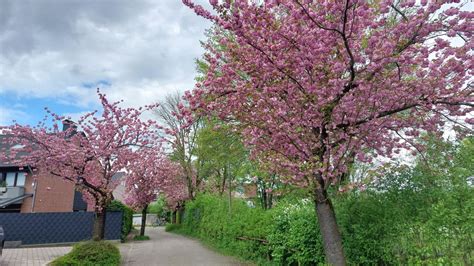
5	147
118	176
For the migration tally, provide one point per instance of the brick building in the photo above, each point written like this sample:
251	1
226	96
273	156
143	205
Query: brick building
21	192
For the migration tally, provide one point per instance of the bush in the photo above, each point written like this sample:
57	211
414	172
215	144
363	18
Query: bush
410	215
89	254
377	229
238	232
158	207
285	235
295	237
127	217
172	227
141	238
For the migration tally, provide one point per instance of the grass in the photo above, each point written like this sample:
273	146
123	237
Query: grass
141	238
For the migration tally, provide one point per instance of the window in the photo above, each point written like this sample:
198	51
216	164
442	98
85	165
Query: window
20	179
11	179
14	179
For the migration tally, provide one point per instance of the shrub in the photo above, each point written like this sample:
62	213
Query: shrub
141	238
238	232
158	207
390	228
172	227
127	217
295	237
89	254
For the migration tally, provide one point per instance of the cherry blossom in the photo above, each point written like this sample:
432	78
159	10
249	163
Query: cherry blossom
317	85
89	152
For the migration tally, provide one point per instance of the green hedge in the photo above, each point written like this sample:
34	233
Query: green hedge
127	217
411	215
377	229
284	235
90	253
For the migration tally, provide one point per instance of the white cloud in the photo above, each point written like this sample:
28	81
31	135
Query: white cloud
8	114
144	49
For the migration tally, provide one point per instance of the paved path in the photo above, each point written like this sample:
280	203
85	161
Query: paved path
162	249
31	256
170	249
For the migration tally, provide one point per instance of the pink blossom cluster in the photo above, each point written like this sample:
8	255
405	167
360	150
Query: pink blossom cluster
317	85
153	173
88	152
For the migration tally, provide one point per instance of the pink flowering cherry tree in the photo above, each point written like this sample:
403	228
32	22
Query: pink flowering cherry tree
87	153
151	173
317	85
175	189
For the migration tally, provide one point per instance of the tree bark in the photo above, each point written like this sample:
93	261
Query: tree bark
173	217
270	200
226	175
142	228
180	216
99	225
264	198
332	240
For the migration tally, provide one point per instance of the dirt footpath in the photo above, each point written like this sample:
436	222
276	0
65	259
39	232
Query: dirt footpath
170	249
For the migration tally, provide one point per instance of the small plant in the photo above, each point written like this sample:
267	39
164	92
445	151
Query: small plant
141	238
3	186
172	227
90	253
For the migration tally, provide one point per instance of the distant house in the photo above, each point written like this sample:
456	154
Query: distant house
119	191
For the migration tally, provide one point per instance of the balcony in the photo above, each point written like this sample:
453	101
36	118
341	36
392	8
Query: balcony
10	194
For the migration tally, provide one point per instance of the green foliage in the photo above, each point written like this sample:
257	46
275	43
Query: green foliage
415	215
141	238
237	232
220	154
172	227
158	207
127	217
412	215
295	237
90	254
287	234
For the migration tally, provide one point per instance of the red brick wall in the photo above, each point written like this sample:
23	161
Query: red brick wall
26	206
52	194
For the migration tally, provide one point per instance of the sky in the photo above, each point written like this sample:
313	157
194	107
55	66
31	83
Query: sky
56	53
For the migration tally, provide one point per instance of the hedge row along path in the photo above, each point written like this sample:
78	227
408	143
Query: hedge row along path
165	248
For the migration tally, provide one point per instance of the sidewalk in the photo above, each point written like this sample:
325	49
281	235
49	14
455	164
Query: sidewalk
31	256
162	249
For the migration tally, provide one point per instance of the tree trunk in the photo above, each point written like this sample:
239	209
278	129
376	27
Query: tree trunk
99	225
173	217
222	185
264	198
226	175
332	240
142	228
270	200
180	216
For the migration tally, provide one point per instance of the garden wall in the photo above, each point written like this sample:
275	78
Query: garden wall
56	227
